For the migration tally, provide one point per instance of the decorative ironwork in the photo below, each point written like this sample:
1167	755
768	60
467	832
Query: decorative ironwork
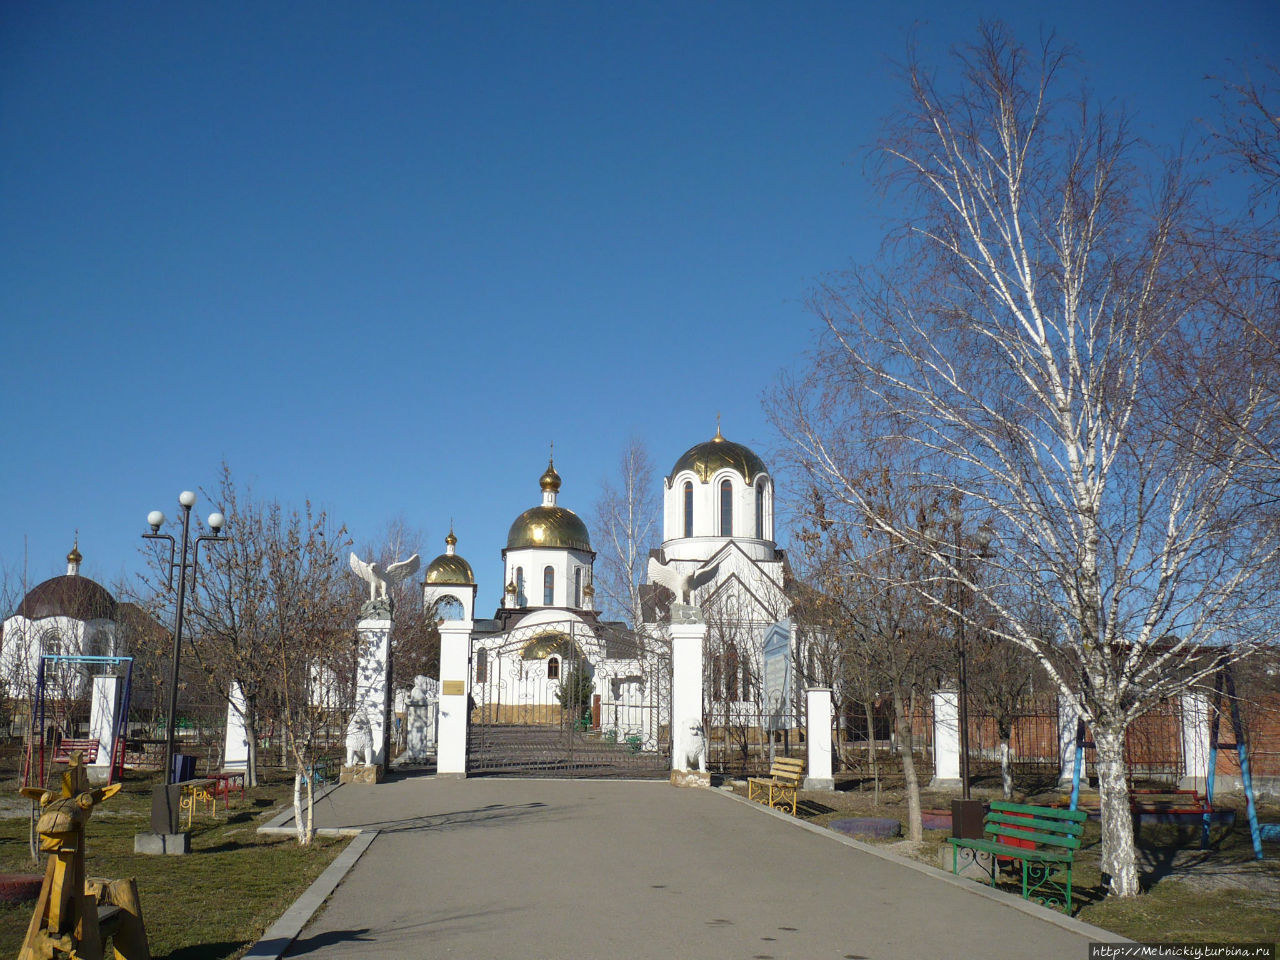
1040	883
568	699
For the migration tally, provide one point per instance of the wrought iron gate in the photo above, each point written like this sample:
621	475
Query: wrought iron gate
569	699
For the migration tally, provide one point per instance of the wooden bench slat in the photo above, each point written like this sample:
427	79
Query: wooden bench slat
1027	808
1045	839
1053	827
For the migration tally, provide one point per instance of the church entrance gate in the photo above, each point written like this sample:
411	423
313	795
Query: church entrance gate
565	699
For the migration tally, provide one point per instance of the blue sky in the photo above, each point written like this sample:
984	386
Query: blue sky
381	255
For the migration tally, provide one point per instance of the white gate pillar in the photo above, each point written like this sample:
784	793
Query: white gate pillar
1068	720
103	711
946	740
688	738
1196	716
818	737
373	691
455	695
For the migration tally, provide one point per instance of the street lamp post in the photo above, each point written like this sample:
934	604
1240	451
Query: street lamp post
155	519
981	544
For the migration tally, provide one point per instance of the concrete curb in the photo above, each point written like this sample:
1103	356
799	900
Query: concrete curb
972	886
276	940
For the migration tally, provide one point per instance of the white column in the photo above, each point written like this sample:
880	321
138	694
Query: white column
1068	720
946	740
1196	718
687	640
103	712
455	691
818	736
374	682
235	748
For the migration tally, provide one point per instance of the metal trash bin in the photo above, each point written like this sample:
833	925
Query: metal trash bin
966	819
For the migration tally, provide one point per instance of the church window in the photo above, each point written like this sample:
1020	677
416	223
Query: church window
731	673
726	508
717	677
760	510
51	643
553	668
688	508
482	665
520	598
548	586
577	588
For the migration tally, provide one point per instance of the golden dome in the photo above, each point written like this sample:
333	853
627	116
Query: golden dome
708	458
74	556
551	643
548	527
450	569
550	480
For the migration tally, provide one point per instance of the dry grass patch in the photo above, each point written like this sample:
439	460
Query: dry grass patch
210	905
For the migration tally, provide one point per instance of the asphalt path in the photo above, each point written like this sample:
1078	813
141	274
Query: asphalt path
527	869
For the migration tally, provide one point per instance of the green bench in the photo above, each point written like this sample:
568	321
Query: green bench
1043	839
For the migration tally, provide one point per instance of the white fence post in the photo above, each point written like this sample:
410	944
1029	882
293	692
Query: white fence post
946	740
818	737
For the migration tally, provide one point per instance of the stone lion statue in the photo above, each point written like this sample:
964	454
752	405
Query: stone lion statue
689	751
359	738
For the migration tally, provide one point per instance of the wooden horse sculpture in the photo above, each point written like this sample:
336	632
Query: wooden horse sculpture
73	916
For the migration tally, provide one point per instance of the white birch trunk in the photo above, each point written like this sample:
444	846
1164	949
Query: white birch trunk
304	824
1119	859
251	761
1006	770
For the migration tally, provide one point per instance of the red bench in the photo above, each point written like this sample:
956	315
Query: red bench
86	747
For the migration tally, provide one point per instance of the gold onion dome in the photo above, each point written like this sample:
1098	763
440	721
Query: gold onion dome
74	556
550	480
708	458
548	527
449	568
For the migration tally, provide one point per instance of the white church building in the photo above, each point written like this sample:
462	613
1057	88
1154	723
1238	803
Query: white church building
547	657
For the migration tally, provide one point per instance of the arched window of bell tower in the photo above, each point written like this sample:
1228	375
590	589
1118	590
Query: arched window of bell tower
688	508
726	508
548	586
760	510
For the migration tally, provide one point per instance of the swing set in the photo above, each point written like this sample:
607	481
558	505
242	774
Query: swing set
35	759
1223	681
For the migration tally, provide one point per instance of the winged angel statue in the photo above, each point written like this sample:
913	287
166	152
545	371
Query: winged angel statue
378	579
682	585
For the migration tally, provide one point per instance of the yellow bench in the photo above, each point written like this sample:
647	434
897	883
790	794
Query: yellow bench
782	784
197	791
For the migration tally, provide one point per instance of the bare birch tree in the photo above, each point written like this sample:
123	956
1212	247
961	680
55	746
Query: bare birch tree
628	524
1029	340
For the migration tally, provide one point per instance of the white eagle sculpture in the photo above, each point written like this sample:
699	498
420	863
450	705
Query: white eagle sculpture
681	584
378	579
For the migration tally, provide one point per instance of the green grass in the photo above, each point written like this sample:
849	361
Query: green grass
212	904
